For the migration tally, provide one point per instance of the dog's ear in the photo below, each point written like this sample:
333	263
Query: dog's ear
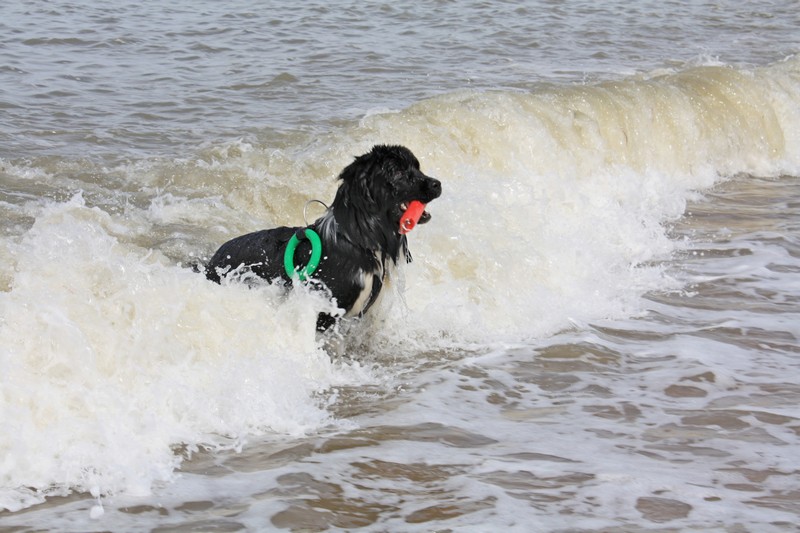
359	179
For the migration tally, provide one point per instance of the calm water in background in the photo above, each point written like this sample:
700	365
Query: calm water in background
599	331
120	78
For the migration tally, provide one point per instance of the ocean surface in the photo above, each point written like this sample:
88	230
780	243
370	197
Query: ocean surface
600	330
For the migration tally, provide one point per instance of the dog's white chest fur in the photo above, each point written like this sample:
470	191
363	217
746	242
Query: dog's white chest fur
367	280
367	283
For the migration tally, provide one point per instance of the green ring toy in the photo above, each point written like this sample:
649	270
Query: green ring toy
313	263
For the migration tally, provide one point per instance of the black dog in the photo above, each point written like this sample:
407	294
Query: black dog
359	233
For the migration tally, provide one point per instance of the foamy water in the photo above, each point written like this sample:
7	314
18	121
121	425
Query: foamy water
599	329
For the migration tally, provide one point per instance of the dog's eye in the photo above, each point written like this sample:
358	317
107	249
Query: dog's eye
395	176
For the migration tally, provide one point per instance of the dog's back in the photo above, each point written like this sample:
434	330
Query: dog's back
260	252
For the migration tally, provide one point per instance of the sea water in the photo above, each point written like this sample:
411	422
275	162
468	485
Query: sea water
599	330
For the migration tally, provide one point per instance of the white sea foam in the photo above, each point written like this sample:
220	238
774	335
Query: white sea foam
111	355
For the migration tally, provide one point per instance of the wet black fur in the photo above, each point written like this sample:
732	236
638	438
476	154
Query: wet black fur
359	232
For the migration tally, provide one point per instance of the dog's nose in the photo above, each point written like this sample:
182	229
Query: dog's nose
434	187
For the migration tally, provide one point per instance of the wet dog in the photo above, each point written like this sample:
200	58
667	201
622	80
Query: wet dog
359	234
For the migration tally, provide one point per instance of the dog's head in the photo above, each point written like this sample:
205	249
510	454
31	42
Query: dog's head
376	189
